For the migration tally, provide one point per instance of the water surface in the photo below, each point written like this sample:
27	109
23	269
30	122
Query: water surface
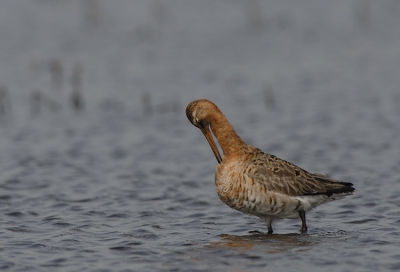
126	183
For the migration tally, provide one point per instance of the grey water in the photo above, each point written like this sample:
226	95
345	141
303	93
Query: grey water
100	170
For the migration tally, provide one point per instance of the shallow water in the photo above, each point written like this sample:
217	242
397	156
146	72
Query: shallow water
126	183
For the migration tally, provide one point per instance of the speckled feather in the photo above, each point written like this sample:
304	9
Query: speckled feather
258	183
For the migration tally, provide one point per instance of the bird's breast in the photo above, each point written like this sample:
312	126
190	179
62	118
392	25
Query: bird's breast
241	192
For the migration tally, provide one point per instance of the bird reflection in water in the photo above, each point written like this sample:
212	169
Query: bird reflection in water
266	243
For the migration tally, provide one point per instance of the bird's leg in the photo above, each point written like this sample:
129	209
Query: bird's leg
302	215
268	221
270	230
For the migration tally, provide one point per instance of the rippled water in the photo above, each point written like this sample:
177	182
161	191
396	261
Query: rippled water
127	183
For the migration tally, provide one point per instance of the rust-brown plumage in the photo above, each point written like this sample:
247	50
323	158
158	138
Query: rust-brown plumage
258	183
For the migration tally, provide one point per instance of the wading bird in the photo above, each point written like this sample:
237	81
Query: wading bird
258	183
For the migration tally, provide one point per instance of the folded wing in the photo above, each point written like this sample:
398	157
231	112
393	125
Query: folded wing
284	177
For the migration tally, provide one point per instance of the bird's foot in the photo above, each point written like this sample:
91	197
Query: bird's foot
303	230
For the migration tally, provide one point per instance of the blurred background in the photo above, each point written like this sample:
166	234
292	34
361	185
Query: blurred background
95	145
251	52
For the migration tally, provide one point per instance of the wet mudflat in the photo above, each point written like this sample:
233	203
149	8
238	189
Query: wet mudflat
100	170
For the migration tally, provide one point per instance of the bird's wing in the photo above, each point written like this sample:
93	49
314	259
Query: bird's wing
284	177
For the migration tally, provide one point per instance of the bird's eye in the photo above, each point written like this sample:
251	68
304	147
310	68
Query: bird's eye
196	119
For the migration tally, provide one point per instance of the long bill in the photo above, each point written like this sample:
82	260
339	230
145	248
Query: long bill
207	133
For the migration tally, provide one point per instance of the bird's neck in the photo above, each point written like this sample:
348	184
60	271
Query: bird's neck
230	143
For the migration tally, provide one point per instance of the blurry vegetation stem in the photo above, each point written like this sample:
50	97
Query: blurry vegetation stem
56	73
77	101
5	101
269	97
39	99
147	104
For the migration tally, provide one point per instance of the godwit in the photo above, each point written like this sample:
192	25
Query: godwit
258	183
